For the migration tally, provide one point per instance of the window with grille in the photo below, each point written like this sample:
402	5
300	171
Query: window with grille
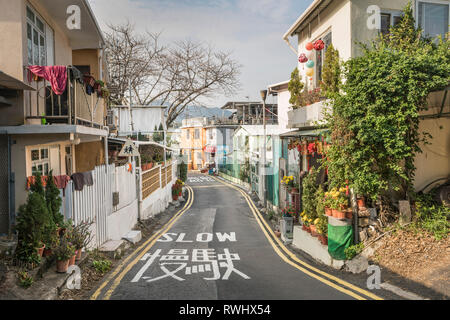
36	39
40	161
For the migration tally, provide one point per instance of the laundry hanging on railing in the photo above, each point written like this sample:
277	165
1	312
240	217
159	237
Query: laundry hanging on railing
61	181
89	81
56	75
76	74
82	179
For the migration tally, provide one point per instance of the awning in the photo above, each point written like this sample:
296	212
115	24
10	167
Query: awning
308	133
12	83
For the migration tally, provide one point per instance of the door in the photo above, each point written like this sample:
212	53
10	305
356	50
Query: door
283	193
55	160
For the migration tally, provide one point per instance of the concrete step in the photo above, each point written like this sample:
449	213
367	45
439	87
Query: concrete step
133	236
114	248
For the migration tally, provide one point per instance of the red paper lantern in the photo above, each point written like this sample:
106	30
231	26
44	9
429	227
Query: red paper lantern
319	45
303	58
309	46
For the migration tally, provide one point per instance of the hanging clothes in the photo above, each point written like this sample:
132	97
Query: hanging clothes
78	181
88	180
76	75
56	75
61	181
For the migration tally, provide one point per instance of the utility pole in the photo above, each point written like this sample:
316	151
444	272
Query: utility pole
264	97
129	108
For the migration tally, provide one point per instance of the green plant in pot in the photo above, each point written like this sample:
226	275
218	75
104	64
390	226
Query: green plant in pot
63	252
80	237
33	217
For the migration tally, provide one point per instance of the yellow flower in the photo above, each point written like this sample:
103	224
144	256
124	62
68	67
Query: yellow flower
316	221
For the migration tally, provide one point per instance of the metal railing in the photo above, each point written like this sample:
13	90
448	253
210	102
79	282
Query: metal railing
75	106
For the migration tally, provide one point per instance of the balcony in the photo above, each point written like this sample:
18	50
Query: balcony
74	107
305	117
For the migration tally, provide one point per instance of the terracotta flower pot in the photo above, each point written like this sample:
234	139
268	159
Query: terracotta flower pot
72	260
40	251
338	214
175	198
328	212
62	266
323	240
278	234
78	255
314	231
349	214
361	202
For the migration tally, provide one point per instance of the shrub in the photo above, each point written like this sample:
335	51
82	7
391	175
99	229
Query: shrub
432	217
353	251
102	266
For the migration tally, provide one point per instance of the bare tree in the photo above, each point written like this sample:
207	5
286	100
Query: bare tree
176	75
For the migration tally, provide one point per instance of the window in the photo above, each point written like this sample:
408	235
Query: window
320	57
36	39
187	134
40	161
197	134
388	20
433	17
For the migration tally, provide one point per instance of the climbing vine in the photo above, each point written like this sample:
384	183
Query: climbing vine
375	117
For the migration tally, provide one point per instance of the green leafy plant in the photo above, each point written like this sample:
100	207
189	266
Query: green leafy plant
53	200
309	190
331	73
432	218
244	173
353	251
322	221
102	266
25	280
375	116
80	236
295	88
64	250
183	171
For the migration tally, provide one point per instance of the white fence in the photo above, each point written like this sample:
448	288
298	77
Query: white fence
95	203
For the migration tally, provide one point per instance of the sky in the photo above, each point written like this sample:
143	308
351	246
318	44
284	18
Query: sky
251	29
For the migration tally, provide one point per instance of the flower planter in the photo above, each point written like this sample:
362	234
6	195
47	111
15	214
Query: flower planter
338	214
361	202
323	239
278	234
62	266
72	260
175	198
328	212
349	214
78	255
314	231
307	229
40	251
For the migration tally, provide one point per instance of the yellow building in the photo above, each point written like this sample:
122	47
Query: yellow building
193	142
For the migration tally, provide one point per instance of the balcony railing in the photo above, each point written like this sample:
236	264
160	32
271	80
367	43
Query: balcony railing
75	106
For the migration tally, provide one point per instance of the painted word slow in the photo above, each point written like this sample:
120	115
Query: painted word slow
201	237
176	265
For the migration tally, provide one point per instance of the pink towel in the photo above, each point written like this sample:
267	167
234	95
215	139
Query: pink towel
56	75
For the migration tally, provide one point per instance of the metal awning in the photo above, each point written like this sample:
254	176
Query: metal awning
12	83
308	133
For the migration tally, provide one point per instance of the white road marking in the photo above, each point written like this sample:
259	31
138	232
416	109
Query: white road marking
400	292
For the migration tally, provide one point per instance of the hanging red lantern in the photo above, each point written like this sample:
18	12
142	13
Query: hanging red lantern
303	58
319	45
309	46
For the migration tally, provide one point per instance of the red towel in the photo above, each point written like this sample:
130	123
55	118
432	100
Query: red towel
56	75
61	181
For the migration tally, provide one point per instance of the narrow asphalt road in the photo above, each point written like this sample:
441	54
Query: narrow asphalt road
216	250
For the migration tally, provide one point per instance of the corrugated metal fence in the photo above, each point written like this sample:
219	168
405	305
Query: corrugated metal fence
94	203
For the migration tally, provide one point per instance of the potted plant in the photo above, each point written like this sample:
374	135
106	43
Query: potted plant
80	237
63	252
361	201
175	192
306	222
339	203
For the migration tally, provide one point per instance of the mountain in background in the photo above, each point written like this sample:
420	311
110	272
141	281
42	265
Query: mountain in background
200	112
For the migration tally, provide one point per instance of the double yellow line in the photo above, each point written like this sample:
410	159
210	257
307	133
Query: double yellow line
285	254
143	249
